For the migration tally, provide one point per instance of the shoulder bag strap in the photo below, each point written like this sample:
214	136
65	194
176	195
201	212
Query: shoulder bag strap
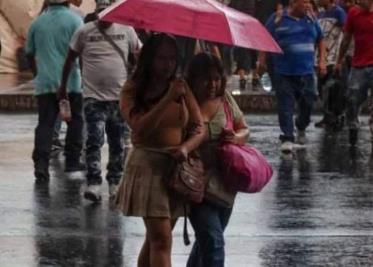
113	44
228	114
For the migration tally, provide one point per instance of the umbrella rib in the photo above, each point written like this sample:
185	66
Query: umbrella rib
225	17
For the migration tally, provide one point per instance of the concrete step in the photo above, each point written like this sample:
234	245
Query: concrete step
16	94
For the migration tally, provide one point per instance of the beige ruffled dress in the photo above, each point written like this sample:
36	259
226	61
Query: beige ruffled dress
142	190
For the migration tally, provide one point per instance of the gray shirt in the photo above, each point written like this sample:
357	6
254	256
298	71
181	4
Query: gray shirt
104	72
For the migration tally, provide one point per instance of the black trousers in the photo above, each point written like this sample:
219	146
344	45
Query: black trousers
333	98
48	110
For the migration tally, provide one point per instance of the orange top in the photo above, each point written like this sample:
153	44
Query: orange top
172	126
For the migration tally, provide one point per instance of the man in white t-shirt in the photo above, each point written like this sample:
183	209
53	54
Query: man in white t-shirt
104	74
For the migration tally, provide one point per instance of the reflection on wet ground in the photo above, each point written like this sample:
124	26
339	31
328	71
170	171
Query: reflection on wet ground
89	235
317	210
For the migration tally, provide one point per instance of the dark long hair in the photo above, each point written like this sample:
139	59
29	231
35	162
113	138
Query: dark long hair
201	65
144	69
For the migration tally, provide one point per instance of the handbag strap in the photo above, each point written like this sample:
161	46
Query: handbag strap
185	229
113	44
228	115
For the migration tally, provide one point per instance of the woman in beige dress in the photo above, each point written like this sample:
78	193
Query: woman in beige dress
166	124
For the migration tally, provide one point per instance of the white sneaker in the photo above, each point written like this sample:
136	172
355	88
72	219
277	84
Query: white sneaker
301	137
113	189
93	193
287	147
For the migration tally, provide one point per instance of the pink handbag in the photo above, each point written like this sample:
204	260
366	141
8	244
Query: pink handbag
245	169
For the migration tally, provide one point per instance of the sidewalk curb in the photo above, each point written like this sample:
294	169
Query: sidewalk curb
16	102
17	95
248	103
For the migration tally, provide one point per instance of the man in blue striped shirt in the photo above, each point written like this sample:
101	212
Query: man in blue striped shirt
299	34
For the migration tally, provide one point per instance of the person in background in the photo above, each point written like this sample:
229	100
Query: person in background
94	15
166	126
245	58
294	76
359	27
263	11
59	24
142	34
332	19
74	6
102	83
347	4
207	81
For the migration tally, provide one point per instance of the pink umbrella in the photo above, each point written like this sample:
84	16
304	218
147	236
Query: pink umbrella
202	19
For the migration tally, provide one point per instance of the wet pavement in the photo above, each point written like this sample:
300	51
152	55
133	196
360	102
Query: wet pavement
317	210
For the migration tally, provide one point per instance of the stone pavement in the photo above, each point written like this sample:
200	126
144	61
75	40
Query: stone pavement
317	210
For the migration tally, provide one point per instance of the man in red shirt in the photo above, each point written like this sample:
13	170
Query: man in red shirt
359	26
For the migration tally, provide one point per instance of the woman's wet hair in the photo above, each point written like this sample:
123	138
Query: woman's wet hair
144	68
201	66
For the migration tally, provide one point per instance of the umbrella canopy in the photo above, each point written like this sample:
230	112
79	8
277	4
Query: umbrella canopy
202	19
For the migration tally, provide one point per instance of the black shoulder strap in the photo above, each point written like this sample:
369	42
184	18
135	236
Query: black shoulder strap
113	44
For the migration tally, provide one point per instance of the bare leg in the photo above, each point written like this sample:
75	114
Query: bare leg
159	236
144	257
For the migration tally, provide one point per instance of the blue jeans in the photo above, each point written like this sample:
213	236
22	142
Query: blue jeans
101	117
361	79
209	222
289	91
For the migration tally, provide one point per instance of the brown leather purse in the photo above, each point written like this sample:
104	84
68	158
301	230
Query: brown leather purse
188	179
